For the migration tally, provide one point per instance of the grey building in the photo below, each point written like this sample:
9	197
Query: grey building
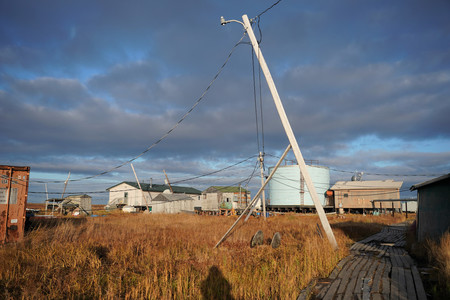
433	211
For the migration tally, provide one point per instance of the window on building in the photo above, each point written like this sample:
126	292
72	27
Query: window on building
345	195
125	194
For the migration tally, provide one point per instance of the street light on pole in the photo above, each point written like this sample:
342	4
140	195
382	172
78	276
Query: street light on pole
287	127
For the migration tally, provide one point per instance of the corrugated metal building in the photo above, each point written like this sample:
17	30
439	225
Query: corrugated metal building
173	203
359	194
433	211
127	193
13	202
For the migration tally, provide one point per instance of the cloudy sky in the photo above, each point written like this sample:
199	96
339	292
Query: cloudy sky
86	86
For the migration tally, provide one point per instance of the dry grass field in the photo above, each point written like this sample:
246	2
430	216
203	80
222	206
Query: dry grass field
438	256
134	256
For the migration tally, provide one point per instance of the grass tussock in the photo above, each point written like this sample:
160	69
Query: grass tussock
172	257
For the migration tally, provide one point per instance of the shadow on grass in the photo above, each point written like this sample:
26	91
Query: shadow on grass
33	223
358	230
215	286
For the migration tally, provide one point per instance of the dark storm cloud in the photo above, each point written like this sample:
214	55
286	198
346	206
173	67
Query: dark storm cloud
374	99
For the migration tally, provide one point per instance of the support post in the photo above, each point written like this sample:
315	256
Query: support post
139	184
256	196
290	134
65	185
263	194
168	182
8	196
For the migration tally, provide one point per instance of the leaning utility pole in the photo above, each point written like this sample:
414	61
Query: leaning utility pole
288	129
168	182
139	184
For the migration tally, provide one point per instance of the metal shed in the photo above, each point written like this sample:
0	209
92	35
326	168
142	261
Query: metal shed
360	194
13	202
172	203
433	211
227	197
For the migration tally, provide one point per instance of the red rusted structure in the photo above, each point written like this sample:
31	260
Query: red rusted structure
13	202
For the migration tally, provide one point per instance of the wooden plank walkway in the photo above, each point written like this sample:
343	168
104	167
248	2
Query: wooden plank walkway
377	268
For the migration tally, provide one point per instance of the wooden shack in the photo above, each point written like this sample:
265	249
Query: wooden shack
358	195
433	207
228	197
173	203
83	203
13	202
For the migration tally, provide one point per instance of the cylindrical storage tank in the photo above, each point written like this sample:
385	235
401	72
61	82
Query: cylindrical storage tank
286	188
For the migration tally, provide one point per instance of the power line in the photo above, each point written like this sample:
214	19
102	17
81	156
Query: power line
254	98
385	174
167	133
174	182
267	9
377	174
214	172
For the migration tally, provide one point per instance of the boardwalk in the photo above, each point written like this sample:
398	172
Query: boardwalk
377	268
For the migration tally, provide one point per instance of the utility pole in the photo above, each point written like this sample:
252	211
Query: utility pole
65	185
255	197
263	194
287	128
62	196
139	184
168	182
46	202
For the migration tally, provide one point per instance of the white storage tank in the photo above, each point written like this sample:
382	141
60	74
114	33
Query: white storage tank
287	188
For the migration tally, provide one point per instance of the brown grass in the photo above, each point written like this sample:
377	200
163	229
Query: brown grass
439	257
172	257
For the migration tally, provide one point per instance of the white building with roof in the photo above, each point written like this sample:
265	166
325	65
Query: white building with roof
127	193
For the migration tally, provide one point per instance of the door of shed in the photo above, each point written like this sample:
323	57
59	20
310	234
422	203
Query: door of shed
13	202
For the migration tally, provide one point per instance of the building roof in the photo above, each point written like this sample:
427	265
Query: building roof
225	189
171	197
366	185
434	180
160	188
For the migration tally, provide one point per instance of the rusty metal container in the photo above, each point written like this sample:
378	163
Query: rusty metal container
13	202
